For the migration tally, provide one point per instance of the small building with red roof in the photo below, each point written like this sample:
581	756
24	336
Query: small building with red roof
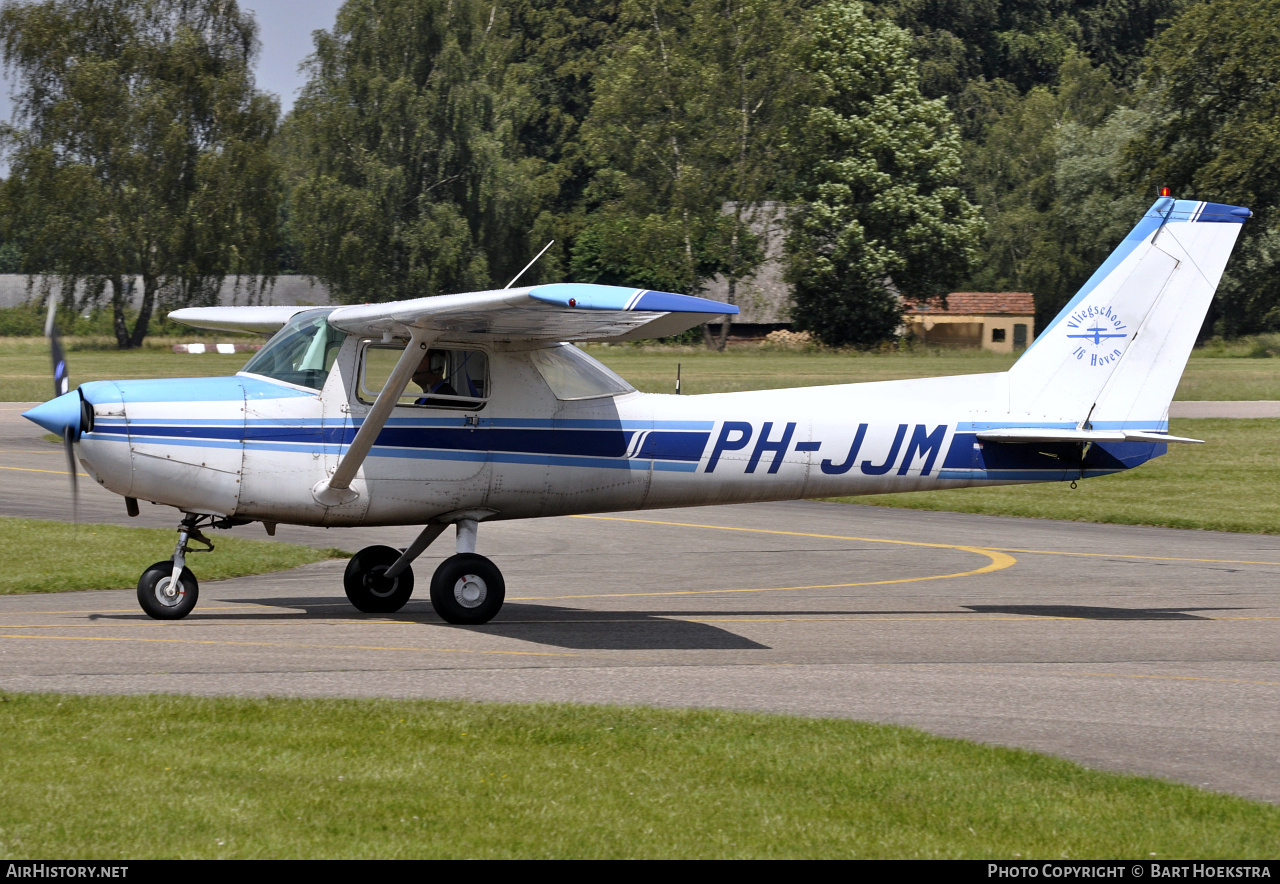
999	321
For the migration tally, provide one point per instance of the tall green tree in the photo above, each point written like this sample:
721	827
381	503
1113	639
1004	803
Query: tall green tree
879	210
1025	42
140	148
408	180
1215	88
1048	172
555	49
685	135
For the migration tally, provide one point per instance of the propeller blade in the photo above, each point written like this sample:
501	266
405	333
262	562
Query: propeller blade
61	380
67	446
61	384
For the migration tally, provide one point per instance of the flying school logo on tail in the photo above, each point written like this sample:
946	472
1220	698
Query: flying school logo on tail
1102	330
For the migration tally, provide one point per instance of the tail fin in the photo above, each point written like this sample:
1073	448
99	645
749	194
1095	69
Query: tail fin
1114	355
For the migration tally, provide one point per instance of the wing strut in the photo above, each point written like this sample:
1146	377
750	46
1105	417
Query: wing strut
337	490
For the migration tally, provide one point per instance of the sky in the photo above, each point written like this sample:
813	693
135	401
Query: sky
285	28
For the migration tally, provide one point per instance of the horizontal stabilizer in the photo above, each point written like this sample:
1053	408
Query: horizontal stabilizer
1040	434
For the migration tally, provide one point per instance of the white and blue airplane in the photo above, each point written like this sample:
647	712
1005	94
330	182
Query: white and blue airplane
462	409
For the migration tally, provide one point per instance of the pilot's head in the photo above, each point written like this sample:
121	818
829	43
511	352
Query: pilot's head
430	370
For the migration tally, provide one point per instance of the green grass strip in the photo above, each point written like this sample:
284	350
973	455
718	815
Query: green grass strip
43	556
159	776
1227	484
1214	372
1208	374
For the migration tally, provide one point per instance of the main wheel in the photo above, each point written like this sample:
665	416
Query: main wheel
162	602
467	589
367	587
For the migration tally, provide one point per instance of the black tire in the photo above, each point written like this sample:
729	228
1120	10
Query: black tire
371	592
467	589
151	592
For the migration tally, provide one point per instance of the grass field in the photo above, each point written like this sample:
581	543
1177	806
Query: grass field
1227	484
1213	373
33	555
1209	374
27	372
159	777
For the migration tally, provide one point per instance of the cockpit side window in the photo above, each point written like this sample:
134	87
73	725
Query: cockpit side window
447	377
300	353
572	374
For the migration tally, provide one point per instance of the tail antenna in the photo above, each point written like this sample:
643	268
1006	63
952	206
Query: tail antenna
530	264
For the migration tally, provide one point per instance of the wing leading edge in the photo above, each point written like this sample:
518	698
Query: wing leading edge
544	313
538	314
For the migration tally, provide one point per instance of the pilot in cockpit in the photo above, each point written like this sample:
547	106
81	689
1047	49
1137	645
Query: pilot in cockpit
429	375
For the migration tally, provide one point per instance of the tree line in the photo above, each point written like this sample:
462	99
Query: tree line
919	146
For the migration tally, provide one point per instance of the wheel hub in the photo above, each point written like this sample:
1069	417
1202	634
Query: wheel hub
165	593
379	585
470	591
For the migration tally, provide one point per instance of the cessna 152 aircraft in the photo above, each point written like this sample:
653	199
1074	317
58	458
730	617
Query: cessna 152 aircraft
509	420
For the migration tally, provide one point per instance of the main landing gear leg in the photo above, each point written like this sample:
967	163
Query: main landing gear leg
168	590
467	589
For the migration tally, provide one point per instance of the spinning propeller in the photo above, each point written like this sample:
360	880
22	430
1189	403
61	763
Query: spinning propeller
65	414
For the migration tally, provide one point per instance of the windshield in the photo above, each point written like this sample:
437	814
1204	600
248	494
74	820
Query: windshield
300	353
572	374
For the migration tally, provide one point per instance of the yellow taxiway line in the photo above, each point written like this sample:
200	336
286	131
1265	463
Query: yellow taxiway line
984	549
998	562
193	641
53	472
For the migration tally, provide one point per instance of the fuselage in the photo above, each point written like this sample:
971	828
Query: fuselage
253	447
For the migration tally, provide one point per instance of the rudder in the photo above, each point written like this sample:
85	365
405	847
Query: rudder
1114	355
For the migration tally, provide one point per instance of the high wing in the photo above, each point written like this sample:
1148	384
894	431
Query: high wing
259	320
543	313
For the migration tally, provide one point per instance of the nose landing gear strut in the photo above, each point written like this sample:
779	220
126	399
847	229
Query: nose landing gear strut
168	590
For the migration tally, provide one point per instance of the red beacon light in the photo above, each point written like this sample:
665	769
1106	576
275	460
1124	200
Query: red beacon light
1164	191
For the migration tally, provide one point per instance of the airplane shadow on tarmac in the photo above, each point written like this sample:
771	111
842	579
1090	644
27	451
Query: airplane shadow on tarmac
650	630
1087	612
551	625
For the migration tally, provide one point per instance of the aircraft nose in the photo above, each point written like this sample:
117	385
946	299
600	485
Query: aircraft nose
58	414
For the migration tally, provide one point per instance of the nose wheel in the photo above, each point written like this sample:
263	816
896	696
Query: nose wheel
163	599
168	590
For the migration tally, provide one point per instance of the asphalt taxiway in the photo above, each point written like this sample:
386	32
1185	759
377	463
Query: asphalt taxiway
1126	648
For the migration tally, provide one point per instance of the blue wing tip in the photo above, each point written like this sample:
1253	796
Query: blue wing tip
585	296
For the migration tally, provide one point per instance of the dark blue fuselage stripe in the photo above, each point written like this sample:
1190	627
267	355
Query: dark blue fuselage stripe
659	444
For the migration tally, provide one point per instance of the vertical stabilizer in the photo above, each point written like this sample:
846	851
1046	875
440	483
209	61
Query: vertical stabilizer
1114	355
